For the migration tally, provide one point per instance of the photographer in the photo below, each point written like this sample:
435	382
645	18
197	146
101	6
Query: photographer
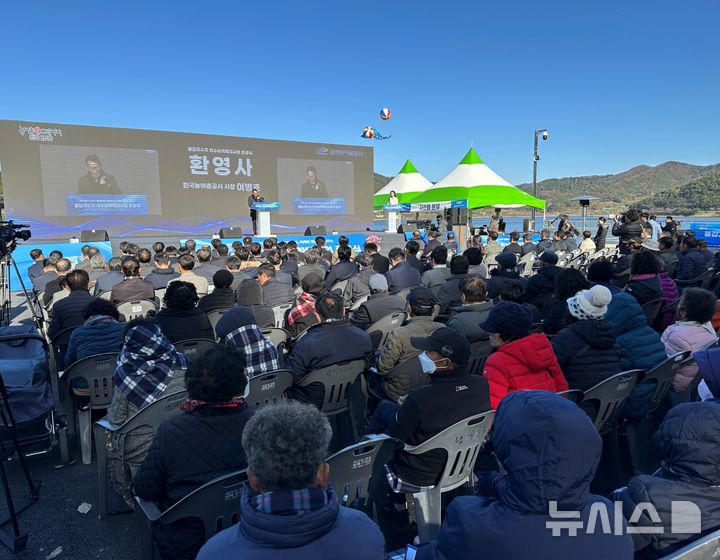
626	227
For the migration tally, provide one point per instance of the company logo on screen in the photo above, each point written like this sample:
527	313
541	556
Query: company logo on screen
322	151
38	134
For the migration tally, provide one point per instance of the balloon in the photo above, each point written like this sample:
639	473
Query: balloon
385	113
368	132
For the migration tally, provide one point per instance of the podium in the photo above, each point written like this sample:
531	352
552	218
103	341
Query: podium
263	210
393	215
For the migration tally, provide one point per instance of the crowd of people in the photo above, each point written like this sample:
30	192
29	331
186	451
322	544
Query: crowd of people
539	333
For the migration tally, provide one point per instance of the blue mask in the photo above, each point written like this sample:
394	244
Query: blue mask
428	366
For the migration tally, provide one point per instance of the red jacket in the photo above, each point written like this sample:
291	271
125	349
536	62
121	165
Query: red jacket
528	363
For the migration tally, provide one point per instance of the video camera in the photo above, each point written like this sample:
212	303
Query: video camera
10	232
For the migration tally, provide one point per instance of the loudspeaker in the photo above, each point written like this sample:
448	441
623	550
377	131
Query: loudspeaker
230	233
458	216
94	235
316	230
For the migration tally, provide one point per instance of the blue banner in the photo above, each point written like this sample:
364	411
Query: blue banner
266	206
102	204
397	208
708	231
71	251
458	204
320	206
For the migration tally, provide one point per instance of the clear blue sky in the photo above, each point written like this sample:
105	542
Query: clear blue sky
617	83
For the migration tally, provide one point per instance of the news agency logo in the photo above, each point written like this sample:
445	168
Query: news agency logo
685	519
322	151
38	134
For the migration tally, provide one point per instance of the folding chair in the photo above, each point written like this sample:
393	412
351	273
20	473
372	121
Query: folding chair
214	316
479	351
404	293
151	416
604	401
133	309
461	442
269	388
215	503
195	346
704	548
280	339
381	329
356	471
652	310
97	371
279	311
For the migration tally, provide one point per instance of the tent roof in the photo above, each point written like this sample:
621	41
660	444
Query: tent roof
406	184
474	181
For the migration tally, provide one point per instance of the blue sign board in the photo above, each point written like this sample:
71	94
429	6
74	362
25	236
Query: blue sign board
266	206
319	206
102	204
708	231
397	208
458	204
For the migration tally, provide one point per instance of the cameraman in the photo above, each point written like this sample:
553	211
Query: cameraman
626	227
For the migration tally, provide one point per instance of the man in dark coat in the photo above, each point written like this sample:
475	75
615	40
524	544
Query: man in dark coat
378	305
431	244
380	263
689	444
222	297
540	286
506	270
69	311
692	262
600	238
401	276
513	247
449	293
311	266
550	450
344	269
332	341
162	273
205	267
274	293
36	269
474	309
627	229
412	248
114	276
54	286
133	288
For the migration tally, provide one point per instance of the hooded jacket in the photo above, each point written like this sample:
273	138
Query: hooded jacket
550	451
689	444
540	288
526	363
328	533
586	353
640	346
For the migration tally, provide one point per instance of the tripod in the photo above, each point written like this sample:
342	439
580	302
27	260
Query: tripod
6	261
17	541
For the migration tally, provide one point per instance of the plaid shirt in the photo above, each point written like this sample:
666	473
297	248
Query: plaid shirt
145	365
260	354
304	306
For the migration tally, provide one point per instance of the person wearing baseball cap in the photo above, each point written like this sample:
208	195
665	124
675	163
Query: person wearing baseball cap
450	396
540	286
506	270
521	360
223	296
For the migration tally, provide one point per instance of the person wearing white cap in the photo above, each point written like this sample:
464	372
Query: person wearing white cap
586	349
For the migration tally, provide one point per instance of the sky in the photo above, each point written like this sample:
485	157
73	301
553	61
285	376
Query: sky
616	83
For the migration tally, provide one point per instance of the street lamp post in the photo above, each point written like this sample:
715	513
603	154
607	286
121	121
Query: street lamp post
544	133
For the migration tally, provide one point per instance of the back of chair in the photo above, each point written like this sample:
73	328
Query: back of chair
662	375
134	309
479	352
359	302
269	387
215	503
194	347
214	316
652	309
355	470
404	293
381	329
336	380
98	372
279	338
279	312
340	286
59	345
154	414
461	442
607	398
107	295
704	548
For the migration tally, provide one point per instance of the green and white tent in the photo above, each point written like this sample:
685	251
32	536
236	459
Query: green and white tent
406	184
475	182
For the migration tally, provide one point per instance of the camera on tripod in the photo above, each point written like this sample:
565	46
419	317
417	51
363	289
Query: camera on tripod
10	232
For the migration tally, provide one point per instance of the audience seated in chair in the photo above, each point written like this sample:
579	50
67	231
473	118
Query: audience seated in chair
260	355
48	273
358	286
69	312
644	284
222	297
474	256
412	248
287	505
436	276
541	285
232	264
132	288
506	270
586	349
178	462
689	444
249	294
302	315
101	332
449	293
474	310
550	451
334	340
113	276
344	269
401	275
568	282
515	290
148	368
179	319
421	307
53	286
378	305
274	292
521	360
692	331
691	262
162	273
205	267
186	264
708	362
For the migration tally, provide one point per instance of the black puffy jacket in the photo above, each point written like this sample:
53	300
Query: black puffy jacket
626	232
689	443
189	450
587	353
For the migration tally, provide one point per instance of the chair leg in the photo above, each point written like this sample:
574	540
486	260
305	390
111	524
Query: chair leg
147	545
102	469
638	434
63	444
428	514
84	424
